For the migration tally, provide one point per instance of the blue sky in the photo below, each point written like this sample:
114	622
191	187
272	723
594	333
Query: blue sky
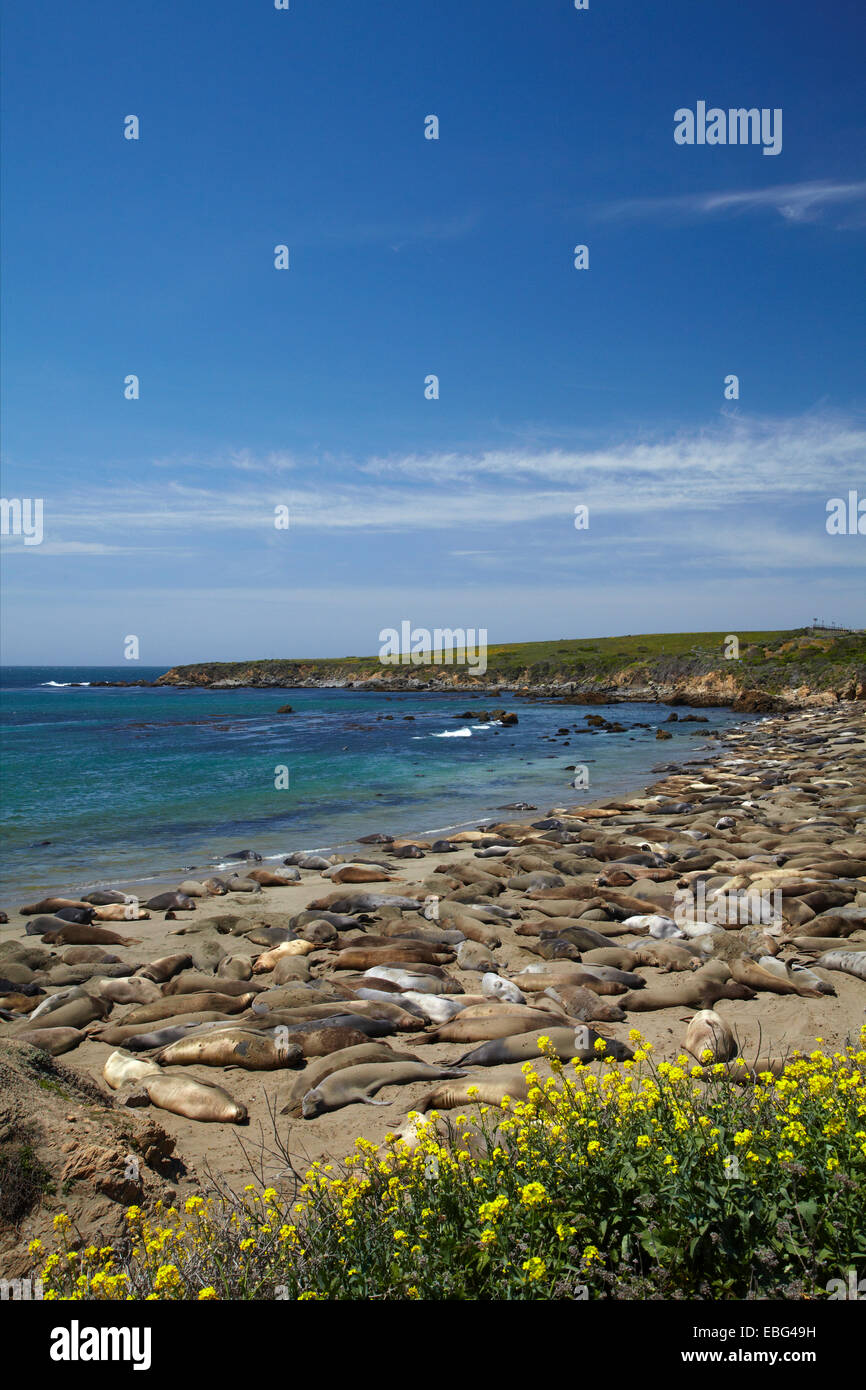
305	387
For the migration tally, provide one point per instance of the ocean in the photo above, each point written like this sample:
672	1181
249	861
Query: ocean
125	786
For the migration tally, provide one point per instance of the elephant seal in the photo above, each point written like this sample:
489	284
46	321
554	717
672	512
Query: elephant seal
216	887
171	902
709	1033
165	967
582	1003
417	983
431	1008
54	1039
496	987
361	958
491	1090
76	914
79	934
358	873
569	1043
267	879
120	1067
114	912
134	990
319	1068
474	955
131	1036
248	854
327	1037
852	962
235	968
50	905
501	1024
697	992
193	888
358	1084
104	896
195	981
353	903
236	884
76	1013
52	1002
188	1004
756	975
195	1100
233	1047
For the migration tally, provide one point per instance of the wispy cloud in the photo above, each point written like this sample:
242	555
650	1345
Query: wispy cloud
795	202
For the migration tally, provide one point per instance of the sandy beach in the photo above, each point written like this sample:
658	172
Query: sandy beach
781	807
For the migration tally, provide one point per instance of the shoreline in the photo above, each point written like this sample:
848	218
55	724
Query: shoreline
773	779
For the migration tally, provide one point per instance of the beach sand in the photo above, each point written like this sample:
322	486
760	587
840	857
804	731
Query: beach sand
777	779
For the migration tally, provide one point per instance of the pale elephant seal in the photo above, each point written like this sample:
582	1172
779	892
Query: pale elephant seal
568	1043
357	1085
233	1047
709	1033
268	959
53	1039
852	962
114	912
55	1001
171	902
196	1100
134	990
120	1067
498	988
417	983
433	1008
491	1090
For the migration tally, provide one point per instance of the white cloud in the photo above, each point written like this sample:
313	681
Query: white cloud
795	202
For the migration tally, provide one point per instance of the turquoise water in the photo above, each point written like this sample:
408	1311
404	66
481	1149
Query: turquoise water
139	783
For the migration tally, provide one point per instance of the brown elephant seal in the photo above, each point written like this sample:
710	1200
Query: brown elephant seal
757	976
327	1038
189	1003
49	905
165	967
474	955
698	992
362	957
357	1085
235	968
194	981
76	1013
502	1024
195	1100
708	1033
266	878
585	1004
358	873
233	1047
193	888
131	1035
568	1043
666	956
319	932
80	934
54	1040
491	1090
